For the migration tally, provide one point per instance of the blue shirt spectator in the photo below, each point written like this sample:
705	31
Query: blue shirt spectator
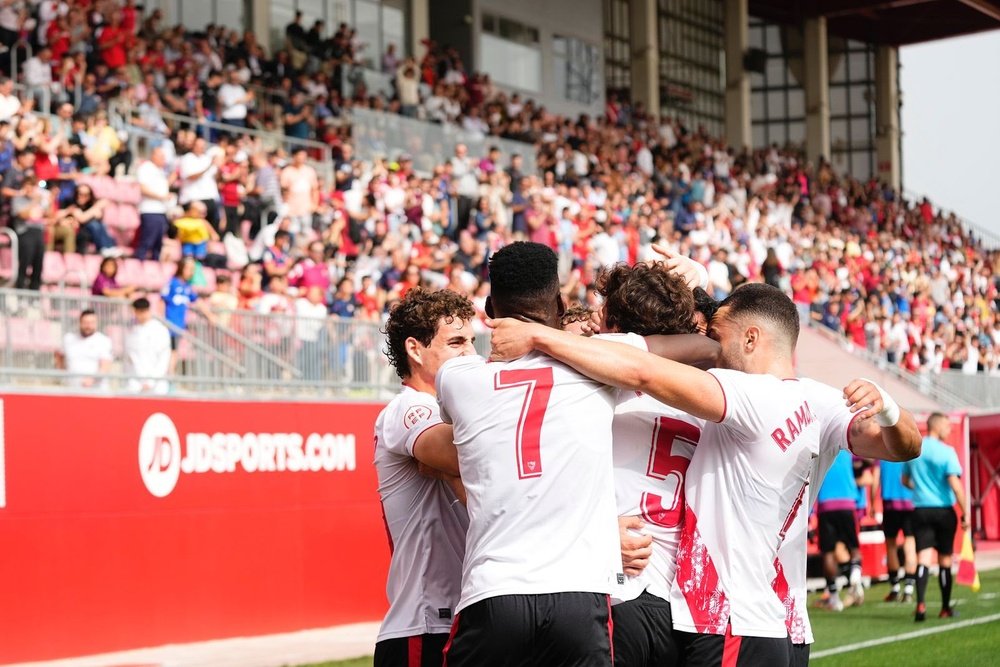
178	295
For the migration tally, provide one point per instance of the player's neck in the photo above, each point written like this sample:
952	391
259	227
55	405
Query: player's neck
418	383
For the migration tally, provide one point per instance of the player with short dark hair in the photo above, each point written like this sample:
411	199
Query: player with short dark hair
935	478
753	459
425	523
534	442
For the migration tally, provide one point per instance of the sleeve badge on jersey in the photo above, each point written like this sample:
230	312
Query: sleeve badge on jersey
415	415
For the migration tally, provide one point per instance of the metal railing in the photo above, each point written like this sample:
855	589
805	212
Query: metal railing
376	134
926	383
321	155
239	353
980	390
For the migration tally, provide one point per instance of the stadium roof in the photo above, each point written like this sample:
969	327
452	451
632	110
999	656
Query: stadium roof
895	22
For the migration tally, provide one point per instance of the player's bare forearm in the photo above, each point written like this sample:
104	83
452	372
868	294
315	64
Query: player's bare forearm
616	364
956	486
435	447
888	443
692	349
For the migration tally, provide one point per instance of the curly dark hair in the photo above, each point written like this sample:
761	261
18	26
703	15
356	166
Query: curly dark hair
577	313
647	300
523	276
705	304
418	316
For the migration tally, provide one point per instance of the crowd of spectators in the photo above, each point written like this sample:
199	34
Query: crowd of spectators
901	280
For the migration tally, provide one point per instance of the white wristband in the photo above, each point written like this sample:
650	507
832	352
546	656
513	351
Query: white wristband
888	416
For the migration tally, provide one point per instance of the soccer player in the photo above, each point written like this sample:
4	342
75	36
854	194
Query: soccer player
425	522
935	478
897	516
748	475
534	449
653	445
837	502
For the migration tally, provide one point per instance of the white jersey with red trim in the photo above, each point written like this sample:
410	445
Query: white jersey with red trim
831	411
745	486
534	449
425	522
653	445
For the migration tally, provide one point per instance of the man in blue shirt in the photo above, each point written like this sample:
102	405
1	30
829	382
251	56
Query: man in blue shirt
897	515
935	477
836	505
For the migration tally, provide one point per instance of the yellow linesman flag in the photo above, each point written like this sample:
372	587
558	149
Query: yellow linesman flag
967	574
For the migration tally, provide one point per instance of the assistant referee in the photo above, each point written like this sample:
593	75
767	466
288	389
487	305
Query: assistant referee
935	477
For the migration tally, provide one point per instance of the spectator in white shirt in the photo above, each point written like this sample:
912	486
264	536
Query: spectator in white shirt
10	104
233	98
86	354
38	75
155	188
309	330
147	351
198	183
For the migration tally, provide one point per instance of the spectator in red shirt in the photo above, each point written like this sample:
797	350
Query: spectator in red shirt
111	42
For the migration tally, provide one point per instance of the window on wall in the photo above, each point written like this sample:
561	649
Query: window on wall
691	57
617	56
852	107
577	72
777	98
509	51
378	23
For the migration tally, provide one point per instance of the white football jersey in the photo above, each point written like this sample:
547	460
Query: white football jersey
653	445
534	448
745	486
425	522
831	411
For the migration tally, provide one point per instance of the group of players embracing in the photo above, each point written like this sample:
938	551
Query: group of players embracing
601	499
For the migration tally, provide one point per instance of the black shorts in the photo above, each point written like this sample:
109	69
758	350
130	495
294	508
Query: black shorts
643	632
934	527
417	651
553	629
800	655
703	650
894	521
837	526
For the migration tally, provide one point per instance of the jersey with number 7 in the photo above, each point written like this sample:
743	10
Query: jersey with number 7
534	449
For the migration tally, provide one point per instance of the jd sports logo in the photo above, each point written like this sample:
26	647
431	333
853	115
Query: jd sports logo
159	455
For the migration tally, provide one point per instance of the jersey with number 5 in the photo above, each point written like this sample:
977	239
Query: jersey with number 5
653	445
534	450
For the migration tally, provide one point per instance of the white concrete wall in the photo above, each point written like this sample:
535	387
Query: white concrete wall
583	19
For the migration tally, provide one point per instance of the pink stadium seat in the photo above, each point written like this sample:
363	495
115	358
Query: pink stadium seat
152	275
111	215
21	333
92	264
171	250
77	272
6	260
128	192
117	336
131	272
53	267
209	280
169	269
128	217
217	247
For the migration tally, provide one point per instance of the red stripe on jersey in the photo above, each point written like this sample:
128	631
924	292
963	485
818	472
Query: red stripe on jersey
451	638
414	649
793	620
731	649
699	580
792	513
611	631
385	522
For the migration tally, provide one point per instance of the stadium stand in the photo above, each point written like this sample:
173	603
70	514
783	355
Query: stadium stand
895	278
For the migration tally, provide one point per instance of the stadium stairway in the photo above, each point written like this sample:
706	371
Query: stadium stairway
825	359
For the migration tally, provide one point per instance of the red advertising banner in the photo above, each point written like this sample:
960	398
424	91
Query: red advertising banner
129	522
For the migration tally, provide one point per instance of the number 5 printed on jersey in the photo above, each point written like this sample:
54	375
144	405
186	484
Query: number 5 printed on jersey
537	383
664	465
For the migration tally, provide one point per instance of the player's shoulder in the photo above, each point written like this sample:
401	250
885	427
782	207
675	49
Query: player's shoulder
631	339
407	409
